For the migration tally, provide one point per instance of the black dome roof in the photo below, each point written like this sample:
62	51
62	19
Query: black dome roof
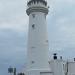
34	1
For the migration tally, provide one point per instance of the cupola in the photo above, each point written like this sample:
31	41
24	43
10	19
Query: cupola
37	1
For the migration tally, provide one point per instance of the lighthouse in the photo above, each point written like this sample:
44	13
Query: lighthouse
38	45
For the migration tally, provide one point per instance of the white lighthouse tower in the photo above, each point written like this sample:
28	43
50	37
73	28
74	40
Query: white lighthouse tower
38	47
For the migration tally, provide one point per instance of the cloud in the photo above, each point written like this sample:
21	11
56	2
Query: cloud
13	14
61	26
12	50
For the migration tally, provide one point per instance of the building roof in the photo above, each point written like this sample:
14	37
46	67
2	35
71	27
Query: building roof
34	1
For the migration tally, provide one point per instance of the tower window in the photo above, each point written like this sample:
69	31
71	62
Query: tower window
49	62
47	41
32	62
32	47
33	15
33	26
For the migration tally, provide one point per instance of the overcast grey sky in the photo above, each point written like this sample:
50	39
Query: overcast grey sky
14	28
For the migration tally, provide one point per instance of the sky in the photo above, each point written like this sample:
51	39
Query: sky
14	31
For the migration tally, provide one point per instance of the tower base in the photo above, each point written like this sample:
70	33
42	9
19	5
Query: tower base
39	72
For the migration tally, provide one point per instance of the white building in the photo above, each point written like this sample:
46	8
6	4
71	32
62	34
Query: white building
61	67
38	47
57	66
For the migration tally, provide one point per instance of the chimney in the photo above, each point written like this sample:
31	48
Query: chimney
55	56
61	57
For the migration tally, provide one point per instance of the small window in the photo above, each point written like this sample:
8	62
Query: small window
33	15
47	41
49	62
32	62
32	47
63	66
45	16
33	26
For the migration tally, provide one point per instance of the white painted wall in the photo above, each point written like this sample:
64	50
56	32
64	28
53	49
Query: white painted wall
37	41
57	67
71	68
